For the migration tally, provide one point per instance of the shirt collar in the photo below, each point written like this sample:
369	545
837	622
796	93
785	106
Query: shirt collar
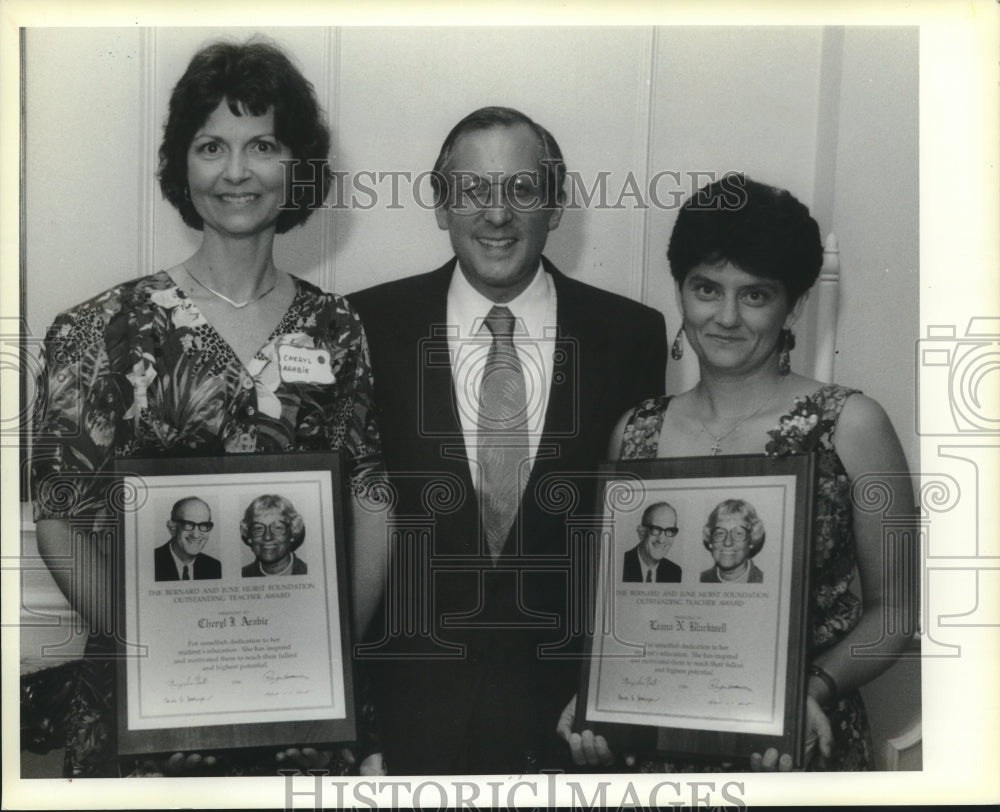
470	307
181	564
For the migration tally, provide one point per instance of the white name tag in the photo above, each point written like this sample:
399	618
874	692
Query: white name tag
304	364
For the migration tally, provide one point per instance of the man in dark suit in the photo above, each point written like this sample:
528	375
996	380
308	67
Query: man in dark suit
181	558
647	561
498	381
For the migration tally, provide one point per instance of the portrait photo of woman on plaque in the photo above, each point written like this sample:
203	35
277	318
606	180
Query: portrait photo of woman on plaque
273	529
733	535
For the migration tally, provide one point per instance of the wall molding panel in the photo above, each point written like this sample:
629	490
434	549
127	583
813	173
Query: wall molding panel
643	150
148	144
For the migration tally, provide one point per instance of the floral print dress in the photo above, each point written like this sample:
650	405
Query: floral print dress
138	370
834	609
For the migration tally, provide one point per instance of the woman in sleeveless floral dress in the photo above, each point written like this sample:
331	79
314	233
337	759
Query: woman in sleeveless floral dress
743	256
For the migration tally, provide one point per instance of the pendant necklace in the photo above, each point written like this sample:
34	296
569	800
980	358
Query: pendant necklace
226	299
717	445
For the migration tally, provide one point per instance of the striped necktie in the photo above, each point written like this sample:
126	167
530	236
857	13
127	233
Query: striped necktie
502	439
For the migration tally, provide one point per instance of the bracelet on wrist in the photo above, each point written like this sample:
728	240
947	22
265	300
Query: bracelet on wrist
828	681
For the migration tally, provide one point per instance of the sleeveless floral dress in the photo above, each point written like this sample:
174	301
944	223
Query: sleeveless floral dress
834	609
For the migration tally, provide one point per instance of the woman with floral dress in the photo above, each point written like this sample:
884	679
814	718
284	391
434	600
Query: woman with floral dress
743	256
192	360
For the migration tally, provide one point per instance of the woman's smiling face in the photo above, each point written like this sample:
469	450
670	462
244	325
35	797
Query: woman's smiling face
732	318
730	543
235	175
270	537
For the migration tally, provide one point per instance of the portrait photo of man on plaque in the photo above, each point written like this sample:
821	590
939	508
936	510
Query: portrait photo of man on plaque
181	558
647	562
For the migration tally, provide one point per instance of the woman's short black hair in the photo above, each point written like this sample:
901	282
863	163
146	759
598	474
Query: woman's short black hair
760	229
252	77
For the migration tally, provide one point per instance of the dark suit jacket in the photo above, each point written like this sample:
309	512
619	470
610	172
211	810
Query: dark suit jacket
205	567
711	576
667	572
462	685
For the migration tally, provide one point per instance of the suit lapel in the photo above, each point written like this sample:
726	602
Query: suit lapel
562	425
566	414
578	350
435	410
436	399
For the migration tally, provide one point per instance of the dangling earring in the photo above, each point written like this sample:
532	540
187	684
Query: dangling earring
786	343
187	193
677	348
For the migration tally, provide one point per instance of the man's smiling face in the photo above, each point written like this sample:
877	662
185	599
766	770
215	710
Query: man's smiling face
498	245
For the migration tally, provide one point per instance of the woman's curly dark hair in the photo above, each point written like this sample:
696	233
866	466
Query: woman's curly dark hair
760	229
254	77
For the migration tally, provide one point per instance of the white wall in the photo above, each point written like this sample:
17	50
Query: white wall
876	216
81	192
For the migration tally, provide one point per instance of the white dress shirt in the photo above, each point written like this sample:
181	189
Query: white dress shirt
181	564
469	341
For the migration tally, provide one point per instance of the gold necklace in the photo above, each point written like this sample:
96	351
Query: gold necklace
226	299
717	445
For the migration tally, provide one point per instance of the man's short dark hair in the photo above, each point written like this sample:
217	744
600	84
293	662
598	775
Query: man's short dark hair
650	508
180	503
485	118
